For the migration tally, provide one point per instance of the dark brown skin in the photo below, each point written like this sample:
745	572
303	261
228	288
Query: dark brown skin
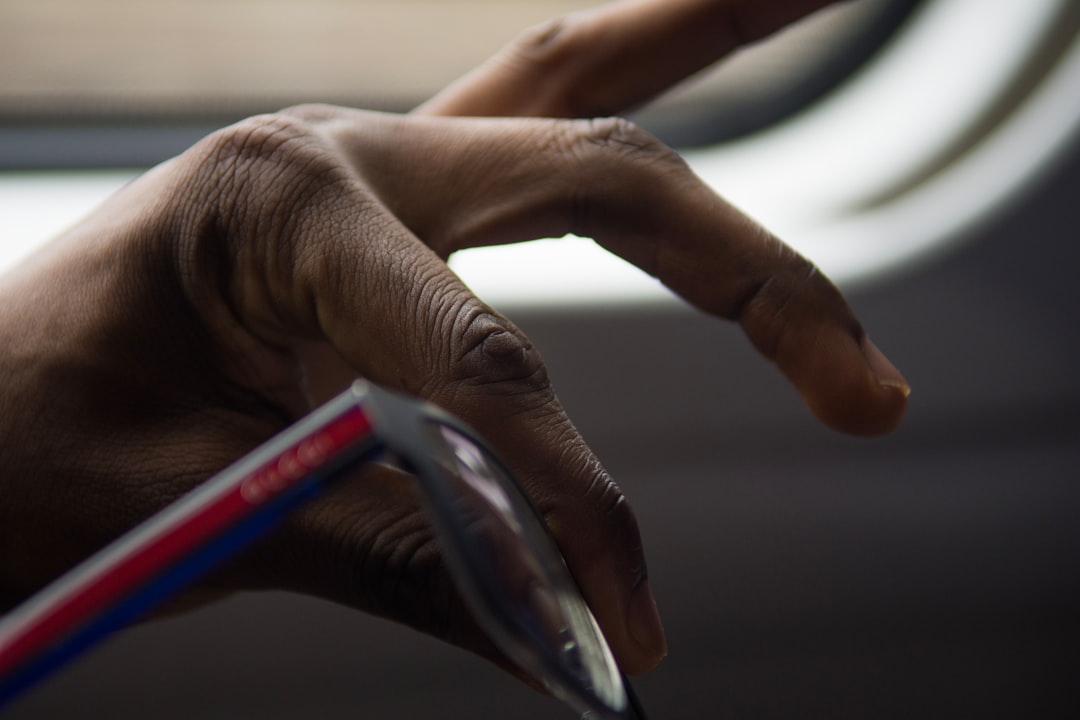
227	292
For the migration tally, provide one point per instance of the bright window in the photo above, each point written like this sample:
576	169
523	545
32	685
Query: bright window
868	136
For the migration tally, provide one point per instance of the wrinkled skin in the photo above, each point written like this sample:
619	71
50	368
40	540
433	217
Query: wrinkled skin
227	292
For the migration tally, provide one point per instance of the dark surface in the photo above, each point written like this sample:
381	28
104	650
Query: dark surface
930	574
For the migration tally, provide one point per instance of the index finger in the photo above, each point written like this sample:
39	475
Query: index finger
613	182
612	58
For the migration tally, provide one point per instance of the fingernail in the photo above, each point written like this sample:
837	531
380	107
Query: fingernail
643	622
886	372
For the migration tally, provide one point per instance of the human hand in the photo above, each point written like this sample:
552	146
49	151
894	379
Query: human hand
225	293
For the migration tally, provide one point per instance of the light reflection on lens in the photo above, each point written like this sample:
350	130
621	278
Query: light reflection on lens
521	584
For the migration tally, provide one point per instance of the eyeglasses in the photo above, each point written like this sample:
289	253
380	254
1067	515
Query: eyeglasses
501	556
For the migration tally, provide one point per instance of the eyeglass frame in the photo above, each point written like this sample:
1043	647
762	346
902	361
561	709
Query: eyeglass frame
239	504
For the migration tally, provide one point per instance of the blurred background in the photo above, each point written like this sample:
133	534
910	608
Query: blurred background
923	153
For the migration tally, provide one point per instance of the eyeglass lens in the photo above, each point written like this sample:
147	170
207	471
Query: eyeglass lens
520	564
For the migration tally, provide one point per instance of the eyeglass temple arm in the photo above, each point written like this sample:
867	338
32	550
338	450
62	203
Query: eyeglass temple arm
637	711
179	544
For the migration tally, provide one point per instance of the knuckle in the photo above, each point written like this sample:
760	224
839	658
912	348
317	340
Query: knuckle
772	296
616	139
547	46
597	503
404	575
615	133
373	549
248	196
311	113
780	302
490	350
262	176
603	492
268	161
614	157
558	53
257	137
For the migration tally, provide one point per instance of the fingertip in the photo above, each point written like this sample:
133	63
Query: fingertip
887	374
632	627
891	393
627	612
607	561
880	413
646	629
866	394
